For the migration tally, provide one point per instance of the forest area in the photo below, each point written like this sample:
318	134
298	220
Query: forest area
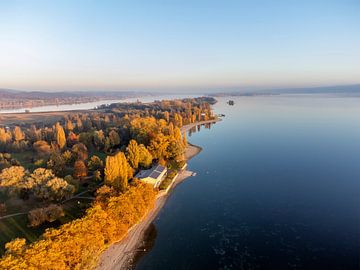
58	180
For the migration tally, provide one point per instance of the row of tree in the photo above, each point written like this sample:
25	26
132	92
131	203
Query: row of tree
41	183
107	128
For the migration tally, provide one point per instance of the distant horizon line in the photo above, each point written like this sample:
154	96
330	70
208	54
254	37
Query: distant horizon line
240	89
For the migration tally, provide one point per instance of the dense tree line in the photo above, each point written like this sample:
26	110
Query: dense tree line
78	244
104	129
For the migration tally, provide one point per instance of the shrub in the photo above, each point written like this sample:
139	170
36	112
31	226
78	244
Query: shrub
80	169
71	181
97	176
167	181
46	214
95	163
40	163
42	148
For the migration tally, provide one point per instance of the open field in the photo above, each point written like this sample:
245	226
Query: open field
26	159
30	118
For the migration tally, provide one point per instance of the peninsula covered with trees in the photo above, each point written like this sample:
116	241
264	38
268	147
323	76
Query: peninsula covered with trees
70	186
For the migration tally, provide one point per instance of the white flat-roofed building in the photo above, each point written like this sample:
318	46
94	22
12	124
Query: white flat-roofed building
153	176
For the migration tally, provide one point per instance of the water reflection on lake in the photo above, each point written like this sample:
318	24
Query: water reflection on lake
277	187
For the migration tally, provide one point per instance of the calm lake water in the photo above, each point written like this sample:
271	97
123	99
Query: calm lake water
277	187
92	105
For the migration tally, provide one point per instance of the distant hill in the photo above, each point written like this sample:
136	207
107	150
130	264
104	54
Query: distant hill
15	99
18	94
319	90
338	89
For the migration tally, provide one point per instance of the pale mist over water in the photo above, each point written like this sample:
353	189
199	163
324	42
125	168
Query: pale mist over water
277	187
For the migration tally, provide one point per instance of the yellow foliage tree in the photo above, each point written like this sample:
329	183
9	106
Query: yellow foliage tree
74	245
117	171
60	135
18	134
133	154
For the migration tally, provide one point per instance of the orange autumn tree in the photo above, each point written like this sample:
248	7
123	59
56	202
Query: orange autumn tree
80	169
78	244
60	135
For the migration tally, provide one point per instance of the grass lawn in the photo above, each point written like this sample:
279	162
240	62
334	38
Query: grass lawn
14	227
25	158
17	226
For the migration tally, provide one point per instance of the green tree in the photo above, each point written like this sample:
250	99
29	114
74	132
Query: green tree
80	150
99	139
57	163
114	138
68	157
175	149
86	138
95	163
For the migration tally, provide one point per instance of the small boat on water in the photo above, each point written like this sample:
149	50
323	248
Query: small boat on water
231	102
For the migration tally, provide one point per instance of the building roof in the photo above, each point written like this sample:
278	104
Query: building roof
154	172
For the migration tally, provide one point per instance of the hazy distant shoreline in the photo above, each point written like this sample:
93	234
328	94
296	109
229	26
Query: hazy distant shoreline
19	101
345	90
70	106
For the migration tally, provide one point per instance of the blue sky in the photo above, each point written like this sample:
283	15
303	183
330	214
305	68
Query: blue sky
178	45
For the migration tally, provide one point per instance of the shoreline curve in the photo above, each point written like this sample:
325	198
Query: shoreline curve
121	255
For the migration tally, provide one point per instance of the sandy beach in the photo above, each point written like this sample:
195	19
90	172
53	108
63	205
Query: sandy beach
121	254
